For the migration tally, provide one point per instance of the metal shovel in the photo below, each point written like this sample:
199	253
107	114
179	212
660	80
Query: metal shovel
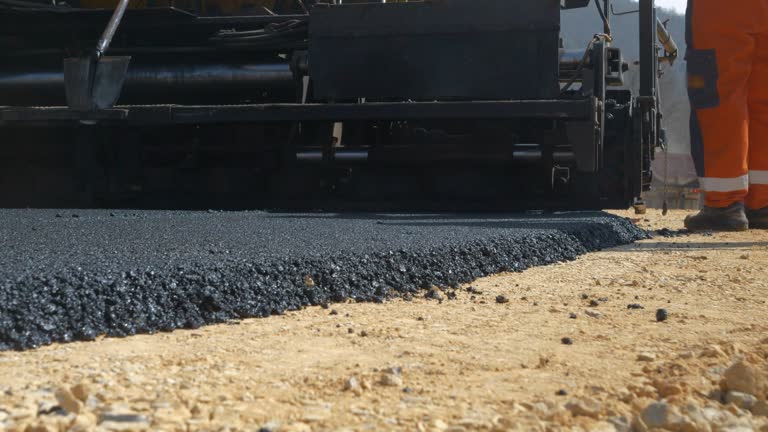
95	82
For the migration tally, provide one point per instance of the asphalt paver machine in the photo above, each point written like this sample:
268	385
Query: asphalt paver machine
445	104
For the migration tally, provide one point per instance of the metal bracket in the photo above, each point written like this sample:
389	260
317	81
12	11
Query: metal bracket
560	173
613	11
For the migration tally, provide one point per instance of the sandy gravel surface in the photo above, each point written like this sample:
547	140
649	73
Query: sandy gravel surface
490	356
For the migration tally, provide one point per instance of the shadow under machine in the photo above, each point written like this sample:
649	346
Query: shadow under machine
450	104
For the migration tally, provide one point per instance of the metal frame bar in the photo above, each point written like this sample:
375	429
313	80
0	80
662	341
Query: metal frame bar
44	23
648	60
582	109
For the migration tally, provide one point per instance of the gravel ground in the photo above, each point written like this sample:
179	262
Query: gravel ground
76	275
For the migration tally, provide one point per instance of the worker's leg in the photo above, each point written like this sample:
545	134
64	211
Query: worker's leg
758	127
720	55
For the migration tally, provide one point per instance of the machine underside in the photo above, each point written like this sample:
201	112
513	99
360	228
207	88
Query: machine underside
453	105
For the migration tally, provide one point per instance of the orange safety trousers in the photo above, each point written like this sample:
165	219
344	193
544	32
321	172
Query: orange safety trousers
727	62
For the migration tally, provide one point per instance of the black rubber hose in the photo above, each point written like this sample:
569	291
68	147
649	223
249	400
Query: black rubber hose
581	65
604	17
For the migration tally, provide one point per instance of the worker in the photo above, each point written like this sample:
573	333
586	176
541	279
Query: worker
727	63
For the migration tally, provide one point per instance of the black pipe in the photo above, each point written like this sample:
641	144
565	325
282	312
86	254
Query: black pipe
150	83
648	59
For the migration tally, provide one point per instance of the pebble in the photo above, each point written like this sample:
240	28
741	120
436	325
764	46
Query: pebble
594	303
662	315
741	400
716	416
41	426
502	299
760	409
593	313
586	407
566	341
271	426
353	385
661	415
80	391
366	384
297	427
667	389
736	428
602	426
434	294
713	351
122	418
646	357
562	392
68	401
440	425
643	391
635	306
744	378
695	415
572	315
334	312
123	422
84	422
621	424
390	380
394	370
315	415
49	408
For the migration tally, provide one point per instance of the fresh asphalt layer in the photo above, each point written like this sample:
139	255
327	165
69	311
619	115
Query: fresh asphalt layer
77	274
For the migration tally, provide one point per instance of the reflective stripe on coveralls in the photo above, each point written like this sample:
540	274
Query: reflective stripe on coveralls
727	63
724	184
758	177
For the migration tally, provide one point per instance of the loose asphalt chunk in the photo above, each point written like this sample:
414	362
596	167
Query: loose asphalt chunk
662	315
118	274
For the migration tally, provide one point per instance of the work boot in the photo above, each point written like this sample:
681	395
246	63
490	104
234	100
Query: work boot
731	218
758	219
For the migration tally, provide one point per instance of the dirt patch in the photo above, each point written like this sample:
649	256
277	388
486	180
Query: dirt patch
451	360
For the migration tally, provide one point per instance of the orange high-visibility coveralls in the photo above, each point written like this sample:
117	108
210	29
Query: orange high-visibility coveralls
728	88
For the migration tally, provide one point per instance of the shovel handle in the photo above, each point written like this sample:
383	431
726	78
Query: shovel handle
109	32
